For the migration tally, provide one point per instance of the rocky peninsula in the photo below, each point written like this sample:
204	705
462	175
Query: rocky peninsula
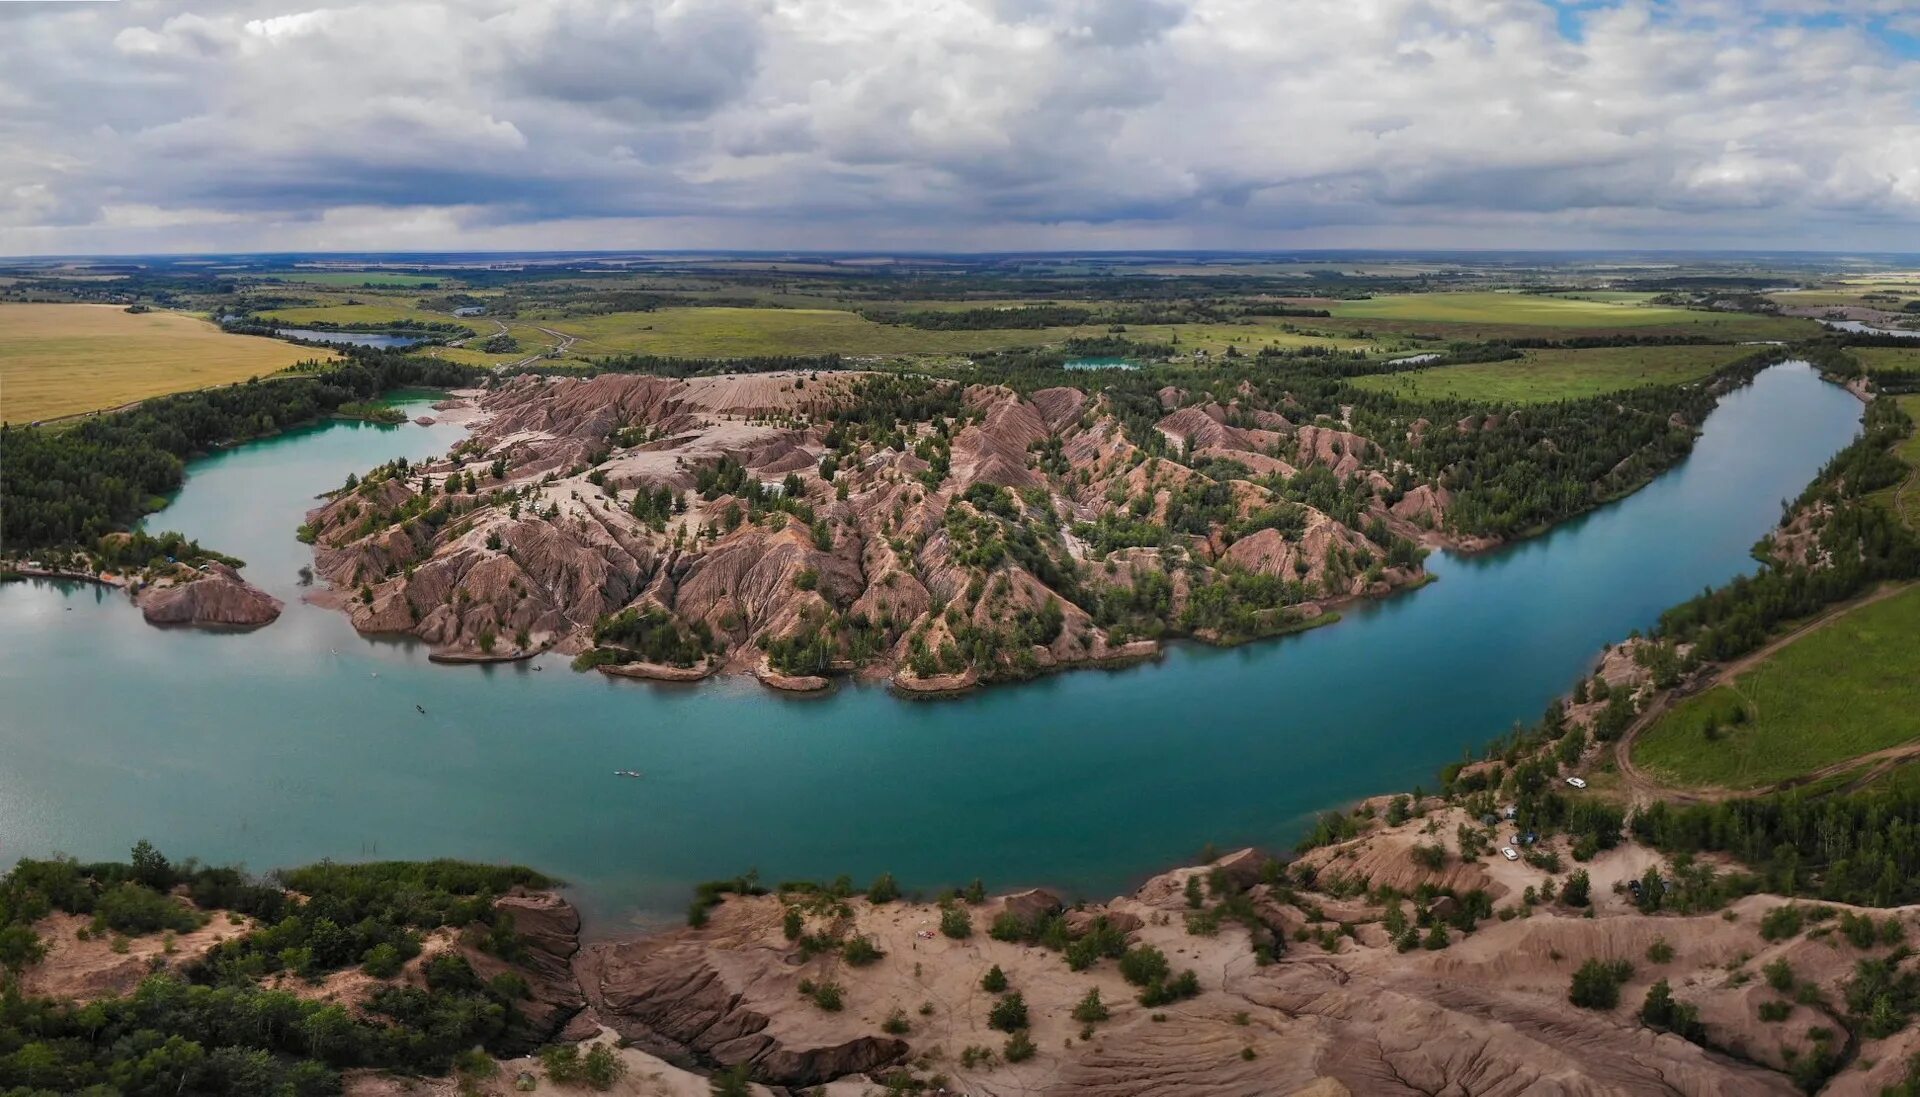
797	526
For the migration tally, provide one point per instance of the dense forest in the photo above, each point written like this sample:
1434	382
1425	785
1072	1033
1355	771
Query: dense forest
66	487
1857	848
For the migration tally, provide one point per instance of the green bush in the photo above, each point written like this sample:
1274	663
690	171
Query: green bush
1597	984
1009	1014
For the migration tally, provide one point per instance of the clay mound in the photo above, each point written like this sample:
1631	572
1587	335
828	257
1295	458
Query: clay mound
1342	451
1196	427
766	393
1424	501
995	451
216	598
1059	407
700	1002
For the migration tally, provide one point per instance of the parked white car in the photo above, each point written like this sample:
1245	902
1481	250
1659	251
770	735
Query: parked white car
1577	782
1510	854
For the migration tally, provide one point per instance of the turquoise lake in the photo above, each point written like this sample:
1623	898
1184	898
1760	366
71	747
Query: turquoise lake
301	741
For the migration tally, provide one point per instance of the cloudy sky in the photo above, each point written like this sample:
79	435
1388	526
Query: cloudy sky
197	125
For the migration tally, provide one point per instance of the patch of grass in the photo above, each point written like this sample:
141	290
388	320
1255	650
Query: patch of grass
1902	359
1846	689
728	332
58	360
367	313
356	278
1514	308
734	332
1559	374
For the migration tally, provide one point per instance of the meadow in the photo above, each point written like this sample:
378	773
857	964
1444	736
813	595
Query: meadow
59	360
359	314
1846	689
1492	315
726	332
1544	375
356	278
1903	359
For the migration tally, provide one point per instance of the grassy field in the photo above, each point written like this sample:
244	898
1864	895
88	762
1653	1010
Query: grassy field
531	339
1894	358
1847	689
356	278
1558	374
1515	308
58	360
726	332
720	332
1486	315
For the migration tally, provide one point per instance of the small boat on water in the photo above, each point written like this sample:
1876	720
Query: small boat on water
627	773
422	708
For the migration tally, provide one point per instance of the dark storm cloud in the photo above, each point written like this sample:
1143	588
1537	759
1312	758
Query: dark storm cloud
447	123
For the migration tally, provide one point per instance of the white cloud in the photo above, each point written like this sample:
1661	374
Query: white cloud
958	123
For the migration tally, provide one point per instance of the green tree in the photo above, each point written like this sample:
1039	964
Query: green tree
1009	1014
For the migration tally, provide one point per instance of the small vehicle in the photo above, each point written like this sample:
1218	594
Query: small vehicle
1509	853
1577	782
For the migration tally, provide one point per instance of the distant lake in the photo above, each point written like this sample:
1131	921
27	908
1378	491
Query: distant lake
1099	363
302	740
377	339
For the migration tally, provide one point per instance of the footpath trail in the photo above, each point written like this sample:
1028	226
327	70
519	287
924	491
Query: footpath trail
1643	788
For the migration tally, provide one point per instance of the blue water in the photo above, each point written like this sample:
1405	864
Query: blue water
301	740
351	338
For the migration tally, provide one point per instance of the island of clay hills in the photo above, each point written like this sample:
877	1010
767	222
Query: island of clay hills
935	533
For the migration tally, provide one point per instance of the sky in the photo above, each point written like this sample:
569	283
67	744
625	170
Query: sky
142	126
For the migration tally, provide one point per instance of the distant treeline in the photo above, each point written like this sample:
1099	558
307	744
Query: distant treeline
67	487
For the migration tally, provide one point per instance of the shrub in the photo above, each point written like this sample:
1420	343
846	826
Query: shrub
956	923
602	1068
1009	1014
1779	976
1090	1008
994	981
1776	1010
884	889
1144	965
1782	922
1019	1047
1186	985
1577	890
860	951
1660	951
1597	984
1661	1011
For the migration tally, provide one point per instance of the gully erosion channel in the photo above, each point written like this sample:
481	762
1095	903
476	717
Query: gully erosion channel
304	741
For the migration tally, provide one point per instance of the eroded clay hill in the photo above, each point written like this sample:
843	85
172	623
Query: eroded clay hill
795	525
1291	992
